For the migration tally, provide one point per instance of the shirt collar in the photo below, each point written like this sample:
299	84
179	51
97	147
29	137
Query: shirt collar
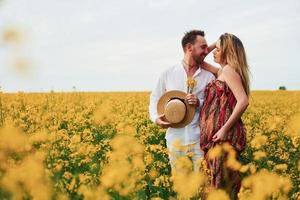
197	72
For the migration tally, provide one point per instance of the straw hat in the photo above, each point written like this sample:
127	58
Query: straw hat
177	111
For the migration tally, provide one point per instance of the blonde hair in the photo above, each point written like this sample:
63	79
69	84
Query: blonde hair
233	53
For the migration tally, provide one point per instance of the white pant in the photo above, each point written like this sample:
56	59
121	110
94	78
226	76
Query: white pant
192	149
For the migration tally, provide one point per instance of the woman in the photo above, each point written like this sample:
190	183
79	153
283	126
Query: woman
220	116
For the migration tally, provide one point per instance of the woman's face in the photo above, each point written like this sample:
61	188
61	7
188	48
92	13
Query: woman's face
217	53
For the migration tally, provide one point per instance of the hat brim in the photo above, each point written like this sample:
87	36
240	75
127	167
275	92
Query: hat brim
190	111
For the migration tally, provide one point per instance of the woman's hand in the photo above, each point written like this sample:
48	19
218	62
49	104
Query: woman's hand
211	68
211	47
220	135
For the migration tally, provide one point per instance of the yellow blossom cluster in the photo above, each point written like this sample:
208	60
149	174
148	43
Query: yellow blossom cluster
103	146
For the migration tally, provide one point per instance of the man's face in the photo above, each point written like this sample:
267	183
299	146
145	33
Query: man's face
199	49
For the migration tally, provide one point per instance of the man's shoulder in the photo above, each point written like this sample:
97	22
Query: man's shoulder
173	67
170	69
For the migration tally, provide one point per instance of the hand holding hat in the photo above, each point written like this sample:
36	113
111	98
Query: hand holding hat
162	121
175	109
193	99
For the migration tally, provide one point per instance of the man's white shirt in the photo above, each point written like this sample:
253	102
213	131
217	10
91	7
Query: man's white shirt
175	78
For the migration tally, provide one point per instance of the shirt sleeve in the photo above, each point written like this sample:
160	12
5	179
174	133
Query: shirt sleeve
211	77
157	92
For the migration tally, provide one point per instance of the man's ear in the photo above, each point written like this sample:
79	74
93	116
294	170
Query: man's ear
189	47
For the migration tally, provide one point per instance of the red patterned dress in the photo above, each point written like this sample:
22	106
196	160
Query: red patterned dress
216	110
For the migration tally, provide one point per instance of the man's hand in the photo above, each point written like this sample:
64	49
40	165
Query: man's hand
162	121
192	99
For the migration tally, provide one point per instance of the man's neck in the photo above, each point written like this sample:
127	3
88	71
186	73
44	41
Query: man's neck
189	63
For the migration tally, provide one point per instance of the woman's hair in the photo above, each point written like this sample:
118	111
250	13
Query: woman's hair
233	53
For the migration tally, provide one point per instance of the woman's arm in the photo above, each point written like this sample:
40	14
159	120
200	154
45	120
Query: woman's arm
210	68
211	47
234	82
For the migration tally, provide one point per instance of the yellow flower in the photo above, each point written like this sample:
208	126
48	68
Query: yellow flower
259	155
282	167
215	152
191	83
265	184
258	141
218	195
184	173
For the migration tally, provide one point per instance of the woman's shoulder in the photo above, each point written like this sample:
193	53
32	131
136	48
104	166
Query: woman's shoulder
229	72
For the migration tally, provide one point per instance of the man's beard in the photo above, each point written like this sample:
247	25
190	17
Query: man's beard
198	59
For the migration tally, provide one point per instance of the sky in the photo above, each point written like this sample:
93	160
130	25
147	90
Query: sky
101	45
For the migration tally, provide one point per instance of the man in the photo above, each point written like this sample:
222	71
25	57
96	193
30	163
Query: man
195	49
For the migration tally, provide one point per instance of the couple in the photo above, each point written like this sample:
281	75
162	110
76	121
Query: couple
220	97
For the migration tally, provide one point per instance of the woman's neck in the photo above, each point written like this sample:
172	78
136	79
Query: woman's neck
223	64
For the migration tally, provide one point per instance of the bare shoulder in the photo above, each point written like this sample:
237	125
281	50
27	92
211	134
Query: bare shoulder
228	72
